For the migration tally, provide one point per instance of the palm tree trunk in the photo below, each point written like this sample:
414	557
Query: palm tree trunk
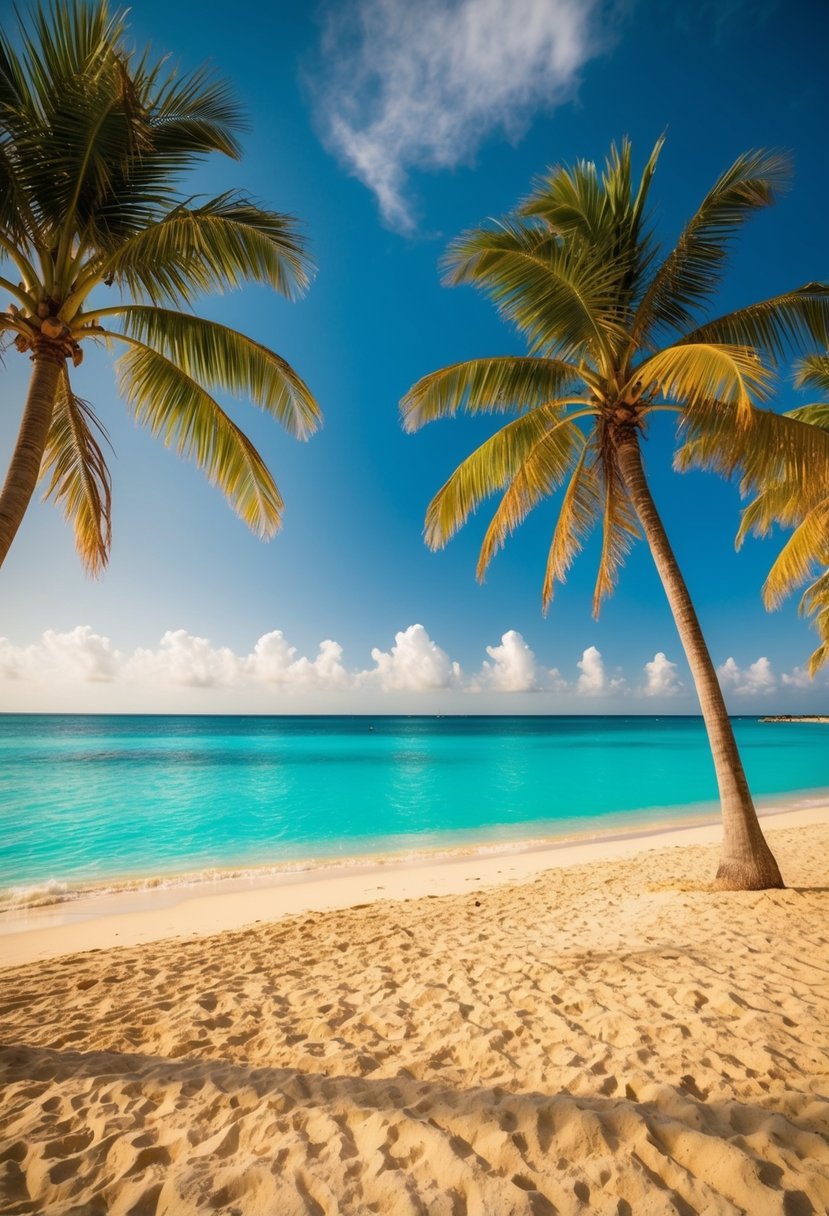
24	468
746	862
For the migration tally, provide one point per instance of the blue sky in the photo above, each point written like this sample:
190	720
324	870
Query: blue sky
389	128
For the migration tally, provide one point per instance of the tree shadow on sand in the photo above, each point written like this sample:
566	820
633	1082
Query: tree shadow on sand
90	1132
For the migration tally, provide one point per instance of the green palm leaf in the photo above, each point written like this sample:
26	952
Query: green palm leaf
560	296
215	355
221	244
813	372
94	138
180	412
486	386
775	326
691	273
815	602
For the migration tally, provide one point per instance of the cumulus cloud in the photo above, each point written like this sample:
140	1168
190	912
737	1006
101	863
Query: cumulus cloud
403	86
797	678
273	661
80	654
414	663
662	680
513	667
594	678
183	658
758	677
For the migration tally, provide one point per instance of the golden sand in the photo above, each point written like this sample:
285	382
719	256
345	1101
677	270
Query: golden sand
609	1038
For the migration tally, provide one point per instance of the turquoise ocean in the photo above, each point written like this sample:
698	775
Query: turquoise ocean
104	801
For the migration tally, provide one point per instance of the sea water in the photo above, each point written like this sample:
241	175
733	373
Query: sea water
92	799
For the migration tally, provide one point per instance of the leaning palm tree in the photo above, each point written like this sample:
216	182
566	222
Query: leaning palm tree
615	334
98	244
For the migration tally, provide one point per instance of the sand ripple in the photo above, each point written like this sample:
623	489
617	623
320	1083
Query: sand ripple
609	1039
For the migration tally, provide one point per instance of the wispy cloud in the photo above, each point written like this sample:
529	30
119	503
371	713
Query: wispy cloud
404	86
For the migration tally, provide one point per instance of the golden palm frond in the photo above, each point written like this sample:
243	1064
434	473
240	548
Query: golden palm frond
80	482
577	516
491	467
701	373
806	548
486	386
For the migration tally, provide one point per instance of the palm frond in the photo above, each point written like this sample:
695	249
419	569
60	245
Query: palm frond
813	372
539	474
486	386
815	603
192	115
215	355
223	243
775	326
768	449
807	547
620	529
561	297
493	465
80	482
577	517
690	275
696	375
183	414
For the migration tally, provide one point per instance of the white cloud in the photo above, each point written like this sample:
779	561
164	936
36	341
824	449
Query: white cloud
513	667
662	678
184	659
594	679
798	678
81	659
758	677
273	662
420	85
80	654
414	663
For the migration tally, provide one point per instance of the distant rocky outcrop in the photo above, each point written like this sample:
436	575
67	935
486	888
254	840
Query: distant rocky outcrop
797	718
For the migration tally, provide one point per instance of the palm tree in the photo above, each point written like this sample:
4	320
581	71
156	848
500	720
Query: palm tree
615	335
94	140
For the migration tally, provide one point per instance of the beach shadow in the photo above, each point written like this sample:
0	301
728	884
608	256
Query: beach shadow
80	1125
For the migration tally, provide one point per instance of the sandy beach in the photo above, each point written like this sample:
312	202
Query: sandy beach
577	1030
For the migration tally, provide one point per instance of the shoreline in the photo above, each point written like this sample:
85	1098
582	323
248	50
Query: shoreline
150	912
500	839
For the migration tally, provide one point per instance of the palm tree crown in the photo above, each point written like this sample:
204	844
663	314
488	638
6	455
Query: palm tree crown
616	332
94	140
